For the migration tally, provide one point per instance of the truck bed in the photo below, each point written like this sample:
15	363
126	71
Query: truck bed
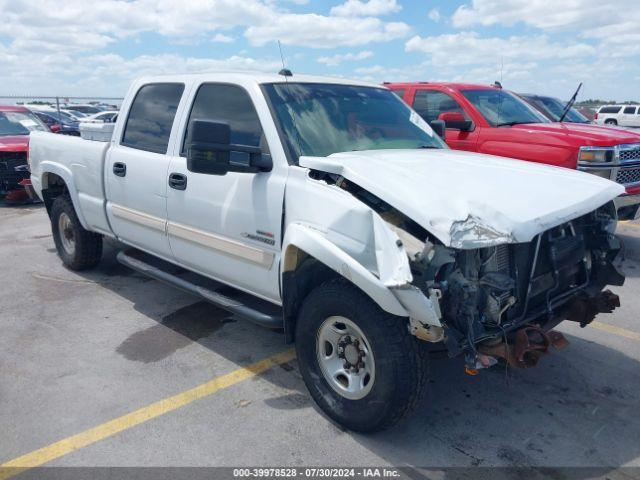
80	163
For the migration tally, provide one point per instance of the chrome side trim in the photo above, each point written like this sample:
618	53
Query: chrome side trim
221	244
135	216
206	239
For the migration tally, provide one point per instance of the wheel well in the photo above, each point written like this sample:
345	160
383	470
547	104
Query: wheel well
302	274
52	186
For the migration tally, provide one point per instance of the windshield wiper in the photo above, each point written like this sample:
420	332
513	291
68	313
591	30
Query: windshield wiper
429	146
509	124
570	104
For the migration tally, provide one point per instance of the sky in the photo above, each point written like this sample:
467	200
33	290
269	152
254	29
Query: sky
95	48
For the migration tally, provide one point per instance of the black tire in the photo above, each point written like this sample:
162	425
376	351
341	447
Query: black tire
400	363
87	250
611	121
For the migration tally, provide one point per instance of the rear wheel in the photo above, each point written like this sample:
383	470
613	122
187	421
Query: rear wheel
360	364
610	121
78	248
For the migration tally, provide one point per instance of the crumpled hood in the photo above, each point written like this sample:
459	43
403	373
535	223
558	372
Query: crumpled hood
583	134
470	200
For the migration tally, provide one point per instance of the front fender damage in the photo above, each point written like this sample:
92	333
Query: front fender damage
361	242
475	279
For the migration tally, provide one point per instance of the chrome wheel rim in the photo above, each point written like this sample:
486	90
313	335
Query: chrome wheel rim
66	234
345	358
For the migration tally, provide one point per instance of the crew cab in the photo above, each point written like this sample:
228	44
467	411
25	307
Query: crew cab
16	123
487	119
329	209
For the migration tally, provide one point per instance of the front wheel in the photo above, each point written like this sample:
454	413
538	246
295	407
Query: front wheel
360	364
78	248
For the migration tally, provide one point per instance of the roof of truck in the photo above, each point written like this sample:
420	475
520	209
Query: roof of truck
257	77
453	85
12	108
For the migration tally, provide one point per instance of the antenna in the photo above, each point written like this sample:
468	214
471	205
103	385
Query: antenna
501	68
285	72
281	55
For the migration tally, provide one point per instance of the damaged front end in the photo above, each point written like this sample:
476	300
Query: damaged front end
483	288
502	301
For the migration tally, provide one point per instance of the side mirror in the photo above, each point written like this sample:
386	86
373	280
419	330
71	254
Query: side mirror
456	120
55	128
438	126
209	151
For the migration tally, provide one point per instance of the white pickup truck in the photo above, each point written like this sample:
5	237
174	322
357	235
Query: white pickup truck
329	209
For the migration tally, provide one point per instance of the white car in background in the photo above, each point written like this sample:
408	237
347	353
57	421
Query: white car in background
102	117
621	115
79	116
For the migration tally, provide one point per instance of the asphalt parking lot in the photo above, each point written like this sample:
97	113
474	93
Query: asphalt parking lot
80	352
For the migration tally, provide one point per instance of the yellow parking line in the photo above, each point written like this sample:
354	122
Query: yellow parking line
623	332
75	442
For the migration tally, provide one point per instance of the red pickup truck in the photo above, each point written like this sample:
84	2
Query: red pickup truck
487	119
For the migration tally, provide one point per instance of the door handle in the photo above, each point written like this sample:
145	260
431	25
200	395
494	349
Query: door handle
119	169
178	181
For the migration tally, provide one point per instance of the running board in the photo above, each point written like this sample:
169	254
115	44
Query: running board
231	305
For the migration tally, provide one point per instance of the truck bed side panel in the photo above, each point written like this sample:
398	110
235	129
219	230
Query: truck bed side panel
80	163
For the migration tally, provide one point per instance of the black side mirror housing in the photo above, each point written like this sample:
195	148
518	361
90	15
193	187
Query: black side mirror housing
465	126
209	151
456	120
438	126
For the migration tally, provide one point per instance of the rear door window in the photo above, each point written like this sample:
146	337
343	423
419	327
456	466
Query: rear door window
631	110
151	117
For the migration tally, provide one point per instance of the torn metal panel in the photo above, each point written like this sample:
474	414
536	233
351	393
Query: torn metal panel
425	310
468	200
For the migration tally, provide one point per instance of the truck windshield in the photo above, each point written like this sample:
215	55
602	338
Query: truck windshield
321	119
500	108
554	108
19	123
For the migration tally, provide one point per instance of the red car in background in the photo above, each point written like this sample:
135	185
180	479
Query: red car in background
16	123
487	119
